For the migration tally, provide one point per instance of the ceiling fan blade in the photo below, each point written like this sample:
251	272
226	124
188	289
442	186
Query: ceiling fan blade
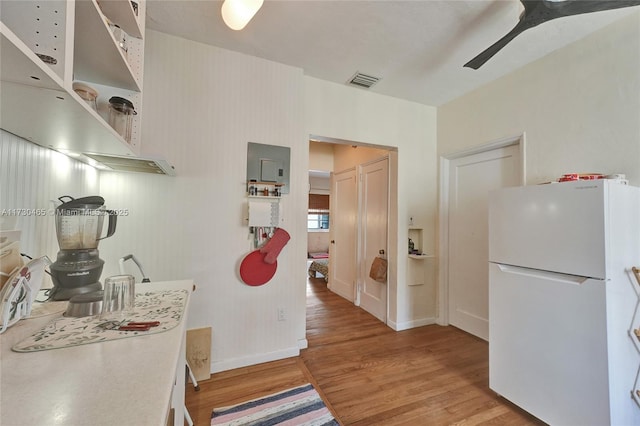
577	7
538	11
488	53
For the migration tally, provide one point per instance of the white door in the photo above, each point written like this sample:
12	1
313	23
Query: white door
470	180
374	192
343	213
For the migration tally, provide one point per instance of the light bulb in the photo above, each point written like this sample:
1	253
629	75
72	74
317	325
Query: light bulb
237	13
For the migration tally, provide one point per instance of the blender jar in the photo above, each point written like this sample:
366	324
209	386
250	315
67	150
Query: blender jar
79	223
121	114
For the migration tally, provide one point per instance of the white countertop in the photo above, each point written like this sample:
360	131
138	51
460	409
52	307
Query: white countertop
119	382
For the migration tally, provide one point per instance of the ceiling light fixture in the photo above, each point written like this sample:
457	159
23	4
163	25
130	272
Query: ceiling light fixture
237	13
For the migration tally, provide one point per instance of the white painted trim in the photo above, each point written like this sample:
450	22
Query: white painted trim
337	141
303	343
230	364
359	237
490	146
406	325
443	212
443	244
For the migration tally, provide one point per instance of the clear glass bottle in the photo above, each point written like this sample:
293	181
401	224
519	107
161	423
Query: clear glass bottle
121	38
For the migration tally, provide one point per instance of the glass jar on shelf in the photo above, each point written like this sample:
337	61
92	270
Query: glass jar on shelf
121	112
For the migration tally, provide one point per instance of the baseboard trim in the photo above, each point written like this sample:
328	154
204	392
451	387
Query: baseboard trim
230	364
406	325
339	293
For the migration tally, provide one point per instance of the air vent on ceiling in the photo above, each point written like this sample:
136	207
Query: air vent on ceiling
132	164
363	80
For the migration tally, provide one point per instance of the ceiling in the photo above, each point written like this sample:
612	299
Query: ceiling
417	48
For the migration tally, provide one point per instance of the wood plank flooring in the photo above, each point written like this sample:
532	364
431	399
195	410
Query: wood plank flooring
372	375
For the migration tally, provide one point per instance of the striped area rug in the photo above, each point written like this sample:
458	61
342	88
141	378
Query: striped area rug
293	407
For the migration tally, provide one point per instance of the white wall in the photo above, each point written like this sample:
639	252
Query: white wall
578	106
31	176
202	105
341	112
346	157
318	242
320	156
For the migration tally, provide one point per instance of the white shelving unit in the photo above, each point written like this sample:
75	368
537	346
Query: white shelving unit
421	256
634	334
125	16
261	186
37	99
416	270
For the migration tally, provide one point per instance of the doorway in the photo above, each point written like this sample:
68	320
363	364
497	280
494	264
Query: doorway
359	216
466	179
359	231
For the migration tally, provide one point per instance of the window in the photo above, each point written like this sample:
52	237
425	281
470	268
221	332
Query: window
318	214
318	220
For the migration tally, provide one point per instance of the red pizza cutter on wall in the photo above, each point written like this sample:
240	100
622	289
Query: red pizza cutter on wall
259	266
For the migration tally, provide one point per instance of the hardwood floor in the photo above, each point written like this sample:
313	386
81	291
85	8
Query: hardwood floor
372	375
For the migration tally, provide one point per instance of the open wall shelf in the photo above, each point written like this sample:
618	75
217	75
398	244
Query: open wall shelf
37	101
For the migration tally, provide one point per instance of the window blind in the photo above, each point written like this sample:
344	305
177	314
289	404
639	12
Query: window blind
318	202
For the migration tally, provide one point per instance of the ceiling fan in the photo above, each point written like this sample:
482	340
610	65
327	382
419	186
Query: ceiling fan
538	11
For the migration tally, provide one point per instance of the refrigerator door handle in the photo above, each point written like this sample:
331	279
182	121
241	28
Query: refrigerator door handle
545	275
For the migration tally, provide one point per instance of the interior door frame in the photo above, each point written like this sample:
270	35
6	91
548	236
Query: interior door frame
443	213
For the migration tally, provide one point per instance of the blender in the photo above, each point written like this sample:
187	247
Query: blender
78	266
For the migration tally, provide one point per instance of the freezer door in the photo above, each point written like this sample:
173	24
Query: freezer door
548	344
555	227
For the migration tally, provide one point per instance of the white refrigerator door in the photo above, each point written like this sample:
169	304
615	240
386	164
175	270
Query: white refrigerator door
555	227
548	344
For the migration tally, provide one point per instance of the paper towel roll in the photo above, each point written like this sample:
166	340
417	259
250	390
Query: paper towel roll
260	213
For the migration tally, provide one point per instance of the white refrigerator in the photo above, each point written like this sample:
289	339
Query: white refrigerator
563	301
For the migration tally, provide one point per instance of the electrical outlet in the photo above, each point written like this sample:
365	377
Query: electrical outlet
282	316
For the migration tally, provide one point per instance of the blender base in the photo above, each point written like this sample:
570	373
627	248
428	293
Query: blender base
61	293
